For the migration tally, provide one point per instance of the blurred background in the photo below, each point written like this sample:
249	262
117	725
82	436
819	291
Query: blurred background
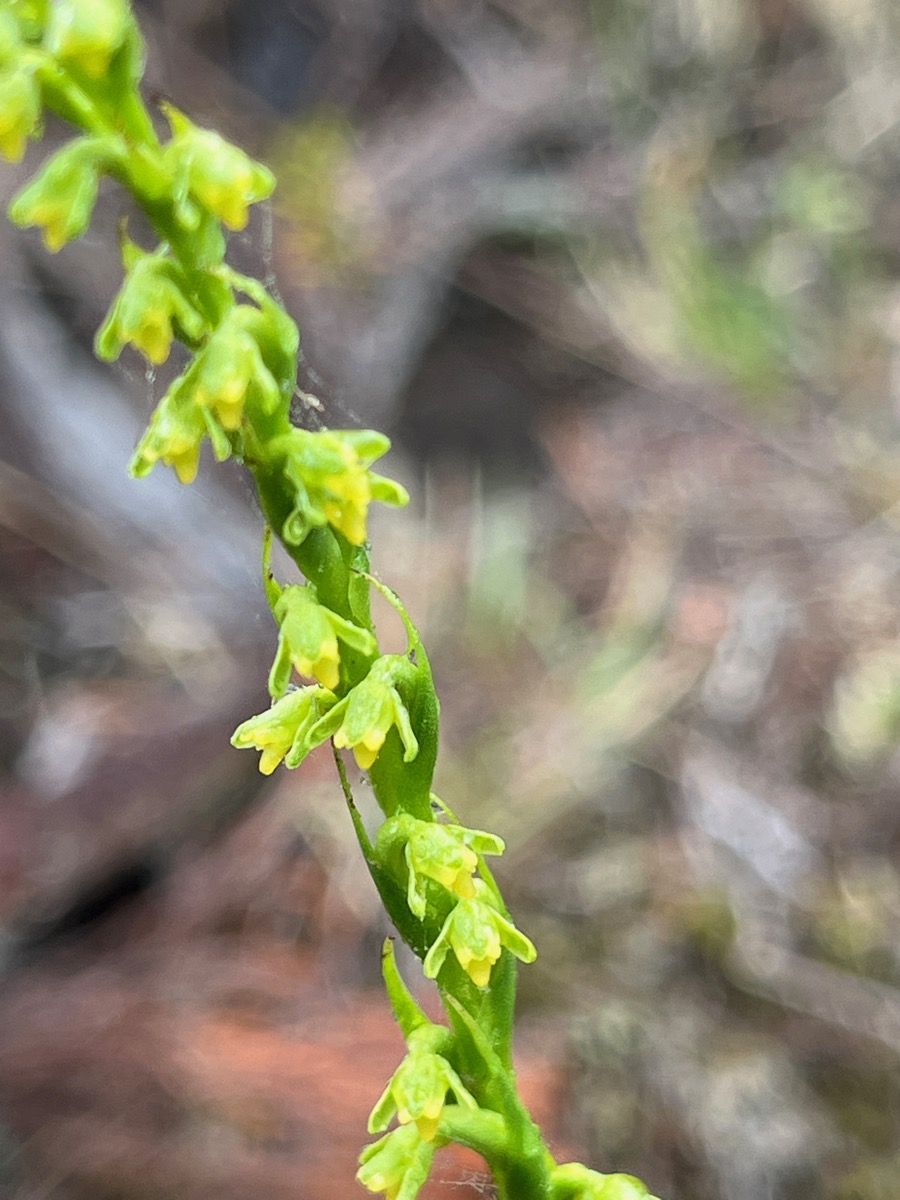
620	278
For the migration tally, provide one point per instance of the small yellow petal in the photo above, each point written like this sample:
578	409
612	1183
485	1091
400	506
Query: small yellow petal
12	145
269	760
363	755
185	465
427	1127
479	971
327	672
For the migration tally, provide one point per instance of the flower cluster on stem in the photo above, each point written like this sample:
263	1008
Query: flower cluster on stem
83	60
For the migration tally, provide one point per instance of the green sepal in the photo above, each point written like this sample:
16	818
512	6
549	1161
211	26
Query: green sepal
410	1016
388	491
221	443
281	670
369	444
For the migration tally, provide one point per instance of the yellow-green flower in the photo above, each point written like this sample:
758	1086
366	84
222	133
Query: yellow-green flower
397	1164
477	933
223	178
329	471
20	110
363	719
62	195
174	436
417	1091
87	33
151	304
230	367
308	639
285	731
448	854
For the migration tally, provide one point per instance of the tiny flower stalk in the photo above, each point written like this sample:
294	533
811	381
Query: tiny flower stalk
330	680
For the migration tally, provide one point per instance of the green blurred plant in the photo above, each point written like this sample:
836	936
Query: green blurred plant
83	60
